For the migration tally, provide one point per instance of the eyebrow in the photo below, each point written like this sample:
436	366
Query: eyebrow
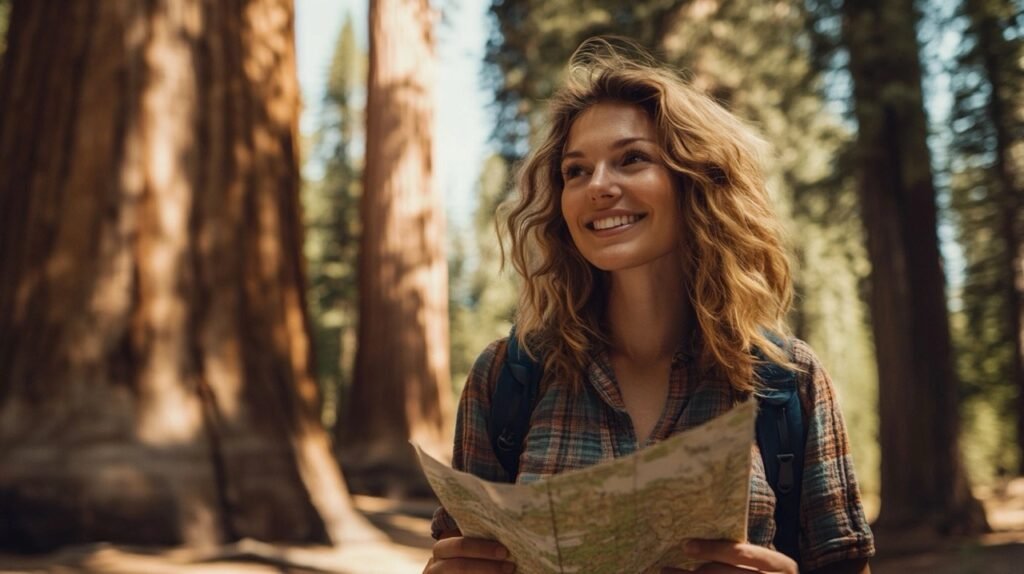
615	145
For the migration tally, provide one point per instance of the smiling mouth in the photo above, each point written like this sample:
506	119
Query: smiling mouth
613	222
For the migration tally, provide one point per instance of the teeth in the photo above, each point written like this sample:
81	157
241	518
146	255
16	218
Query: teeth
615	221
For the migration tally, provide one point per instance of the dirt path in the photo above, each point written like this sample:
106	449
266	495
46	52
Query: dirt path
404	545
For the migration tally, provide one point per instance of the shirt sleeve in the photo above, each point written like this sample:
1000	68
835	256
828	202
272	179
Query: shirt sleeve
832	522
472	451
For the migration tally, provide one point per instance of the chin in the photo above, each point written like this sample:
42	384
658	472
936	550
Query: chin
612	262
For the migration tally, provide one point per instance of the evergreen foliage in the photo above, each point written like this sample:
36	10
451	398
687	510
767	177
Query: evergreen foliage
483	293
531	41
986	176
5	15
331	206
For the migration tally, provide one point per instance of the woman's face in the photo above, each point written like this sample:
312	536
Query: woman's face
619	199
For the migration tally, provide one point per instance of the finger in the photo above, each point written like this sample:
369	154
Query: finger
469	566
719	568
461	547
740	554
449	534
709	568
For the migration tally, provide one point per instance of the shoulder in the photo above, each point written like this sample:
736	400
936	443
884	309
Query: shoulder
472	450
492	353
833	525
482	377
813	382
803	356
810	369
485	369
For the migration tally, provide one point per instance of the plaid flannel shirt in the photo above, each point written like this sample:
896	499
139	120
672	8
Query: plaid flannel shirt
570	430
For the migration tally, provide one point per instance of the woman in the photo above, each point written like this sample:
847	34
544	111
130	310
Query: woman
653	268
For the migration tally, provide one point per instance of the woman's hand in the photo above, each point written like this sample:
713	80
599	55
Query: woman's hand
464	555
725	556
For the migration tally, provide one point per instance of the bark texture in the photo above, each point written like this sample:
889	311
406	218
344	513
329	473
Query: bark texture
923	483
401	389
155	374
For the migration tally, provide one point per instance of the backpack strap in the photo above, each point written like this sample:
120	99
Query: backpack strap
512	403
781	437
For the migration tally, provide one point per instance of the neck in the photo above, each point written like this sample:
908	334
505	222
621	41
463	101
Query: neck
648	312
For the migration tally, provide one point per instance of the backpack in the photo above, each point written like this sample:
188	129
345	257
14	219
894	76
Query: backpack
780	430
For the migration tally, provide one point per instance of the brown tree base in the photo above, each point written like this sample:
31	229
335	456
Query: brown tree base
897	538
376	469
139	495
388	481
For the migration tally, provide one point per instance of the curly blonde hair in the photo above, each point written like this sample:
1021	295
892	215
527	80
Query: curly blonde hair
738	277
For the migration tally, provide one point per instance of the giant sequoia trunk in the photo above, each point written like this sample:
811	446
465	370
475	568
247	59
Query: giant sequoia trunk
923	484
401	387
155	378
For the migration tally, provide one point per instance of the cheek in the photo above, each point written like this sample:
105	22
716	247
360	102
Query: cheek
573	233
570	210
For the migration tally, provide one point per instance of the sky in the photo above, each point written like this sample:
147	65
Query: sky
462	120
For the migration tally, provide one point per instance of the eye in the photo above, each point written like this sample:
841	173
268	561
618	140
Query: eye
571	171
634	156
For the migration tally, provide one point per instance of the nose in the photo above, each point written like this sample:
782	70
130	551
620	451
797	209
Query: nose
602	184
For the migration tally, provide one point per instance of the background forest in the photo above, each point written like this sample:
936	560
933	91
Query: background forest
223	330
784	67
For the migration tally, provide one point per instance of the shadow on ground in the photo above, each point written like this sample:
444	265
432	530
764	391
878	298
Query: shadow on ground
406	546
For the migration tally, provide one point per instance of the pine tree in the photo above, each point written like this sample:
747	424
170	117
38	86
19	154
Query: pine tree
331	206
923	484
988	198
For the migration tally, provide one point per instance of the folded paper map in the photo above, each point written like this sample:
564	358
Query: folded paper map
630	514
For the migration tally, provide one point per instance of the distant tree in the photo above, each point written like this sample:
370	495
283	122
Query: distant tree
402	387
988	199
155	377
923	484
331	207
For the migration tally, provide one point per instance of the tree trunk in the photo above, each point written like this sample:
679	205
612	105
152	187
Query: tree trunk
155	382
401	388
997	57
923	484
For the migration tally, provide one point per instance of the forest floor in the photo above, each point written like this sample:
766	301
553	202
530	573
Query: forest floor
402	546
